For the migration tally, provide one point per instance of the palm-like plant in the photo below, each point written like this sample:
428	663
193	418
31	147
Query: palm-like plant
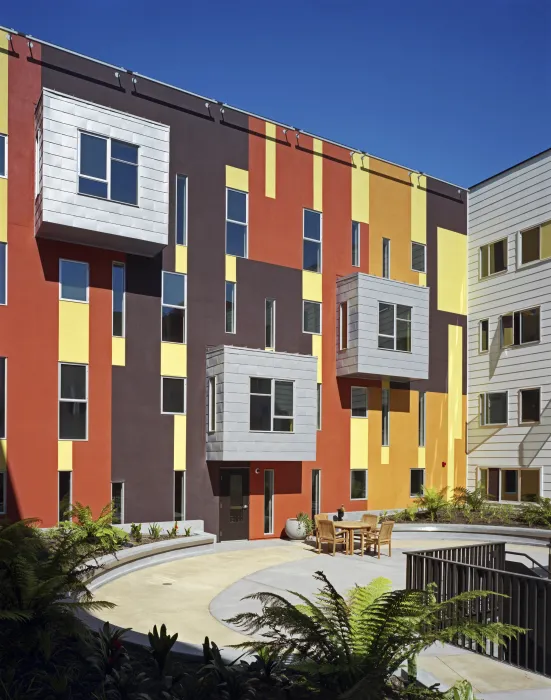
433	501
353	644
89	530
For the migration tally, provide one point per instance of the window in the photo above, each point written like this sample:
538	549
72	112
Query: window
118	299
311	319
73	402
422	418
117	491
212	404
483	335
3	493
318	408
316	491
311	244
236	223
493	408
64	488
520	327
358	401
418	257
355	244
179	495
108	169
416	482
386	258
230	307
3	155
268	501
271	405
174	308
3	273
173	395
73	280
181	209
493	258
530	405
270	324
394	327
530	245
385	406
343	325
3	396
512	485
358	485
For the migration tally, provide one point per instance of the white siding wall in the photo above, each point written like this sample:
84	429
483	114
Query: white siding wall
507	204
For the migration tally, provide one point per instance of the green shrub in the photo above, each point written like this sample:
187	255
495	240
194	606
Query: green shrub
155	531
474	499
536	514
306	523
173	532
432	501
136	532
87	530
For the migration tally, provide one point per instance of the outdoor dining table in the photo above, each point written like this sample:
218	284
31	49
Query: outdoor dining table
350	526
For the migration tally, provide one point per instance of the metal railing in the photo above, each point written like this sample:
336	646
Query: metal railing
524	600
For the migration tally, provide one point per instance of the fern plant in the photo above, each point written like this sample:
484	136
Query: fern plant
433	501
87	529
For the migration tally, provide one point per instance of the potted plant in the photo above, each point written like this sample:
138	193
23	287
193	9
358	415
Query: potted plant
299	528
340	513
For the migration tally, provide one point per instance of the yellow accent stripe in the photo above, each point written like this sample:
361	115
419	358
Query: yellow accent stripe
311	286
173	360
118	351
317	352
237	179
3	209
385	455
455	399
421	458
180	264
419	208
74	320
360	189
3	455
422	279
385	384
270	185
359	431
452	271
318	174
180	423
3	130
545	240
231	268
65	455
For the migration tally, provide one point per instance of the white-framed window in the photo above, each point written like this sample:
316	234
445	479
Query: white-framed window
230	307
493	258
73	280
343	325
311	240
270	320
416	482
119	298
173	395
494	408
358	401
529	405
3	155
311	317
535	243
394	327
108	168
520	327
358	484
386	258
318	406
237	223
181	209
3	493
356	243
117	498
418	257
174	295
271	405
3	274
3	397
64	493
483	335
511	485
385	417
422	418
269	501
73	401
211	404
179	495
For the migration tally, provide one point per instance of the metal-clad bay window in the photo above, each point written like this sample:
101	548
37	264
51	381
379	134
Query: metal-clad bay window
108	169
181	209
73	402
236	223
394	327
174	307
230	307
73	280
311	244
271	405
118	282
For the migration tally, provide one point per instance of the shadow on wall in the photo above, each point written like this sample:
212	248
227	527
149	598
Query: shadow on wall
535	438
495	351
477	435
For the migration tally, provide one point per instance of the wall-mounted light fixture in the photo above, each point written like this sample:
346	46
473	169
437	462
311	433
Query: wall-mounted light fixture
30	45
363	156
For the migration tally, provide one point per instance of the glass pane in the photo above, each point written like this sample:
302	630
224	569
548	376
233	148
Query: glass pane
236	498
268	501
230	307
418	257
355	243
385	417
417	480
261	412
530	326
311	256
358	484
498	257
72	382
118	300
343	326
64	489
93	156
74	280
386	319
2	156
283	425
483	336
315	492
261	386
386	343
312	225
507	330
529	484
530	245
72	420
2	398
422	418
179	495
312	317
509	485
403	312
530	405
3	269
124	151
212	404
174	289
116	497
173	325
484	269
283	398
124	182
181	210
237	206
270	323
493	484
358	401
386	258
236	239
403	336
94	188
173	395
497	407
3	504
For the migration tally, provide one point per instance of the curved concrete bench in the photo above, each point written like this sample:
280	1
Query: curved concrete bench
538	536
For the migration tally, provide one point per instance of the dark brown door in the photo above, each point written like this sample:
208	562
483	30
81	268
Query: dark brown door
234	504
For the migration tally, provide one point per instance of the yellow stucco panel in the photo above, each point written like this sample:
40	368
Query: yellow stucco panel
452	271
385	454
360	189
237	179
180	424
118	351
231	268
3	455
318	174
359	442
455	398
419	208
270	167
180	261
3	209
64	455
74	331
173	360
317	352
3	84
311	286
421	458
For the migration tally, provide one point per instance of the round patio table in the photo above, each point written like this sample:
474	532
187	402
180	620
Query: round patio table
350	526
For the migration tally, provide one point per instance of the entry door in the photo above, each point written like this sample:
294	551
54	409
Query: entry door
234	504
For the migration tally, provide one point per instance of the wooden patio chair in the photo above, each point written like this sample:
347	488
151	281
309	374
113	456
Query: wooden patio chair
371	520
378	538
327	533
317	518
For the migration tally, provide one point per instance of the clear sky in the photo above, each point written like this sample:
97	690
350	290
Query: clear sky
459	89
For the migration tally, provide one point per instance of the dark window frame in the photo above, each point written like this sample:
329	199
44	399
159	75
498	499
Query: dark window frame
355	472
183	380
166	305
416	470
273	416
72	400
521	419
424	248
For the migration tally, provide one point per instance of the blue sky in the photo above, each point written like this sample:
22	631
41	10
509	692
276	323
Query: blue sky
459	89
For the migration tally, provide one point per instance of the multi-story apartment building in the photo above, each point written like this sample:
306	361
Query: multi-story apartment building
510	332
207	314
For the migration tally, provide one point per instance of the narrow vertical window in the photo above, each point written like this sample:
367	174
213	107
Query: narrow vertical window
358	485
422	418
270	324
386	258
269	502
3	493
318	407
311	317
418	257
355	244
343	325
179	495
174	307
230	307
37	163
236	223
311	244
117	497
483	335
73	402
358	402
3	155
212	404
385	418
316	491
64	493
118	299
416	482
181	209
3	273
3	397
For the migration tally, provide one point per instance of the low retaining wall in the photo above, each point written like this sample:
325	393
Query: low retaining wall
541	536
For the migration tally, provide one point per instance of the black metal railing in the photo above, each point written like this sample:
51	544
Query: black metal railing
524	600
